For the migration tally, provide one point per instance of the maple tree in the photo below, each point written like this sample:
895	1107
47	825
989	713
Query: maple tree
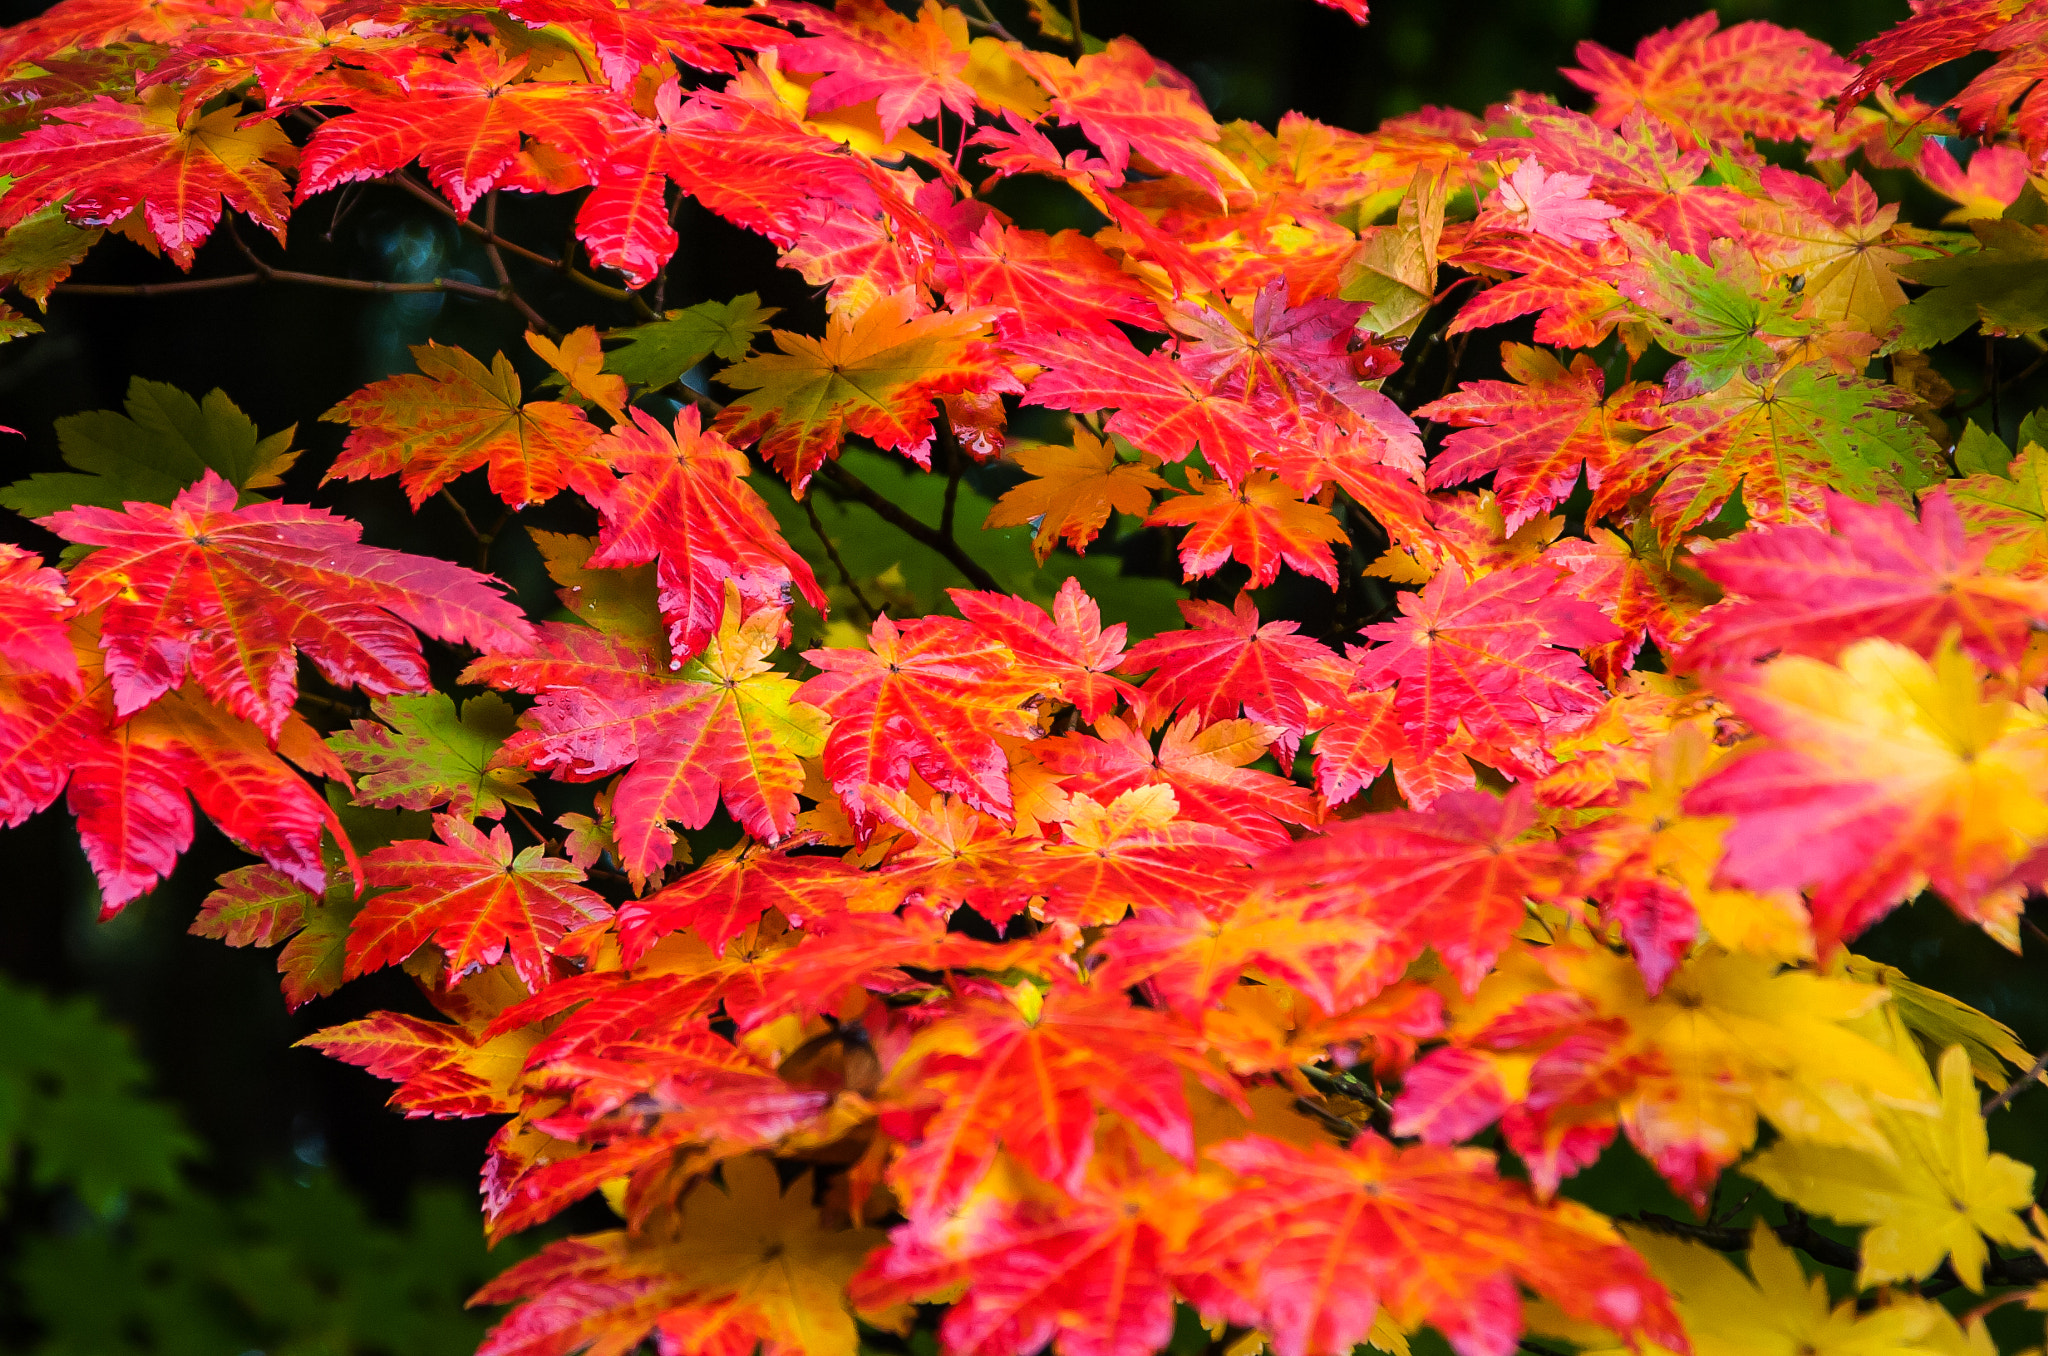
904	962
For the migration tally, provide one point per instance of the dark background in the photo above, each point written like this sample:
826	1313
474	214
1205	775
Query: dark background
209	1019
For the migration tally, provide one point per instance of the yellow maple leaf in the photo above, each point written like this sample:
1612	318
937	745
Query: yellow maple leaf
1776	1310
1942	1194
580	360
757	1245
1072	491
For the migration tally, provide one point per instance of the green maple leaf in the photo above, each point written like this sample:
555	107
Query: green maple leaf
2002	286
165	442
425	755
1719	316
660	351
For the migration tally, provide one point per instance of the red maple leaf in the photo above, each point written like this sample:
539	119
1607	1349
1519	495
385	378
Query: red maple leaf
105	159
992	1076
628	39
464	117
1259	522
931	696
35	637
1039	283
232	596
683	501
1535	434
1799	589
1492	656
1314	1240
1456	878
475	898
909	67
1755	79
1069	653
730	891
1226	662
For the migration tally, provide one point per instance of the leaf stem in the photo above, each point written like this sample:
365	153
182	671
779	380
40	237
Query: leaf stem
468	523
1074	18
988	19
954	458
855	488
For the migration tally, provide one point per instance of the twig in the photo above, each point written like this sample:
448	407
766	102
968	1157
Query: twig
868	609
533	317
159	289
562	265
988	17
1990	392
888	512
483	544
2018	1085
954	458
1074	18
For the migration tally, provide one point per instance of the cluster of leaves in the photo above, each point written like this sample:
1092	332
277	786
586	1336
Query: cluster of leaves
145	1263
1051	979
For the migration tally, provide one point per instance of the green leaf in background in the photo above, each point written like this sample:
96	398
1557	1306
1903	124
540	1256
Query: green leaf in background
660	351
2003	285
71	1093
165	441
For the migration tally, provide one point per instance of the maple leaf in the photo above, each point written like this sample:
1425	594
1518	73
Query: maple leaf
1204	767
1535	434
1836	244
931	696
1998	286
730	891
1035	1268
1456	878
463	118
1785	439
748	1260
1992	183
728	727
104	159
261	906
455	415
1937	1196
1754	79
1226	662
232	596
1135	852
163	441
1111	96
683	502
1800	590
2008	514
1781	1310
1259	522
579	364
1072	491
946	855
35	635
1025	1073
1067	652
1489	656
875	376
1555	205
909	67
1311	1242
1160	407
1575	295
473	897
443	1070
425	754
628	38
1646	594
661	351
1882	772
1039	283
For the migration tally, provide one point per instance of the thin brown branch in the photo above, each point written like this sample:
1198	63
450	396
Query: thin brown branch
868	610
955	464
468	523
158	289
989	21
491	252
2018	1085
854	488
1074	18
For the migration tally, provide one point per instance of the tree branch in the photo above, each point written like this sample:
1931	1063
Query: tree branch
855	488
2018	1085
868	609
533	317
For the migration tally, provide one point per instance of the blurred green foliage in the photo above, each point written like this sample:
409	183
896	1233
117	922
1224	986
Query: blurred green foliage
118	1254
